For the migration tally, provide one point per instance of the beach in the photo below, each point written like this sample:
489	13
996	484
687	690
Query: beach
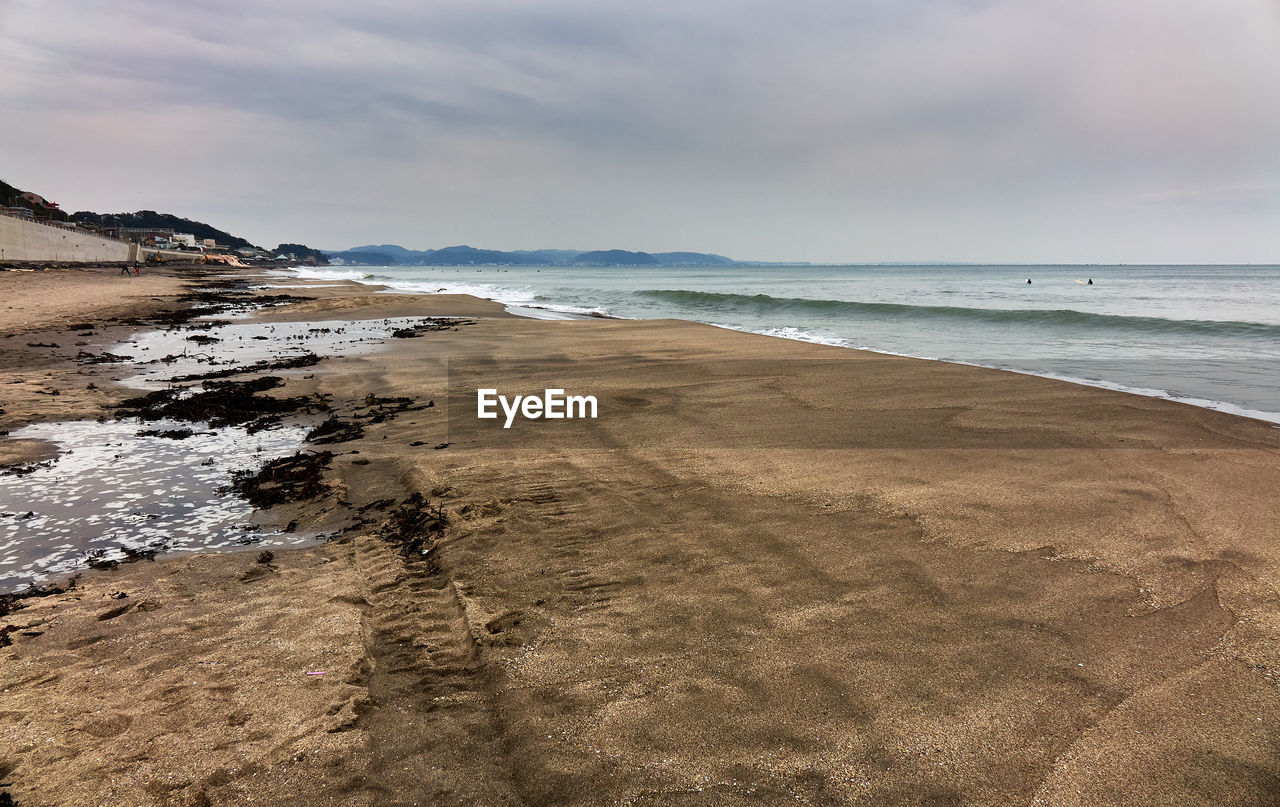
768	572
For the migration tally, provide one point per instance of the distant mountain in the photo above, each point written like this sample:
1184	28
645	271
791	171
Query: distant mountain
361	256
400	254
391	255
616	257
692	259
466	256
550	257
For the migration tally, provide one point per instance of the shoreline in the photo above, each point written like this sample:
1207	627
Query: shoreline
576	312
771	567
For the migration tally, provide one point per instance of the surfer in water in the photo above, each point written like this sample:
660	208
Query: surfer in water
1028	281
1090	283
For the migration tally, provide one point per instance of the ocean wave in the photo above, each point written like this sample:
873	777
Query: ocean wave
329	274
1064	317
794	334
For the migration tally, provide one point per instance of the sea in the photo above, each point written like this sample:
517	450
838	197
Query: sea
1204	335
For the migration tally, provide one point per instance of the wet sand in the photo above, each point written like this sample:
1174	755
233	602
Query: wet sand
768	573
36	344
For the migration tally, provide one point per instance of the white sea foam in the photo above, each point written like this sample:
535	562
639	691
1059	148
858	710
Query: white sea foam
520	300
334	273
111	489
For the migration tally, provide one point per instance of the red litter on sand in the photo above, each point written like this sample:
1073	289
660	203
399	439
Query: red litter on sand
317	672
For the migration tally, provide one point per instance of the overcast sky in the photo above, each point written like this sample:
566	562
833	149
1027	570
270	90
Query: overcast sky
821	130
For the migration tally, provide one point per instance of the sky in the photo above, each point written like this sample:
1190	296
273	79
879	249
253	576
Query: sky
1050	131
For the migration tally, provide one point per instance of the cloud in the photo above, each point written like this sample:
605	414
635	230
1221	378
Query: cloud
749	127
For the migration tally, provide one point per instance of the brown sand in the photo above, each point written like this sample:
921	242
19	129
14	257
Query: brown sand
770	573
35	300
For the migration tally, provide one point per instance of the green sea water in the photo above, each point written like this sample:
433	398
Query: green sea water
1207	335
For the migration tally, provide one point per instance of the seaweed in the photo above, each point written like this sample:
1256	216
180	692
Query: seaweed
429	325
334	430
286	479
85	357
413	527
384	409
291	363
23	468
14	601
168	434
221	403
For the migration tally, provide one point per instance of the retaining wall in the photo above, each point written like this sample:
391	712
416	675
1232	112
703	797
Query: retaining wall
23	240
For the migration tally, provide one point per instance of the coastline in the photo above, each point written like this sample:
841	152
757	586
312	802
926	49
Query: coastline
539	307
770	568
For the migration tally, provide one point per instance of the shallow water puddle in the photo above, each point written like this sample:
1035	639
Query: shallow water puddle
110	490
161	355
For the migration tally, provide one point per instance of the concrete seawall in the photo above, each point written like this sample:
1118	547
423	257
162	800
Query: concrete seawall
22	240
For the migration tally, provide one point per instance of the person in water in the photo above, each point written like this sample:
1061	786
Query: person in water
1028	281
1090	283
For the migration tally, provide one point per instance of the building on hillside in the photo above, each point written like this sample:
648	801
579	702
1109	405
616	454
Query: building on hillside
147	236
37	199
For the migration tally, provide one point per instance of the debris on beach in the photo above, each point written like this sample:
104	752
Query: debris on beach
97	559
287	479
413	526
379	504
15	601
429	325
85	357
215	297
133	554
334	430
380	410
168	434
221	403
203	379
24	468
265	365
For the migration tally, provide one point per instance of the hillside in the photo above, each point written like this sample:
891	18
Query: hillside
692	259
150	218
302	253
392	255
616	257
13	197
